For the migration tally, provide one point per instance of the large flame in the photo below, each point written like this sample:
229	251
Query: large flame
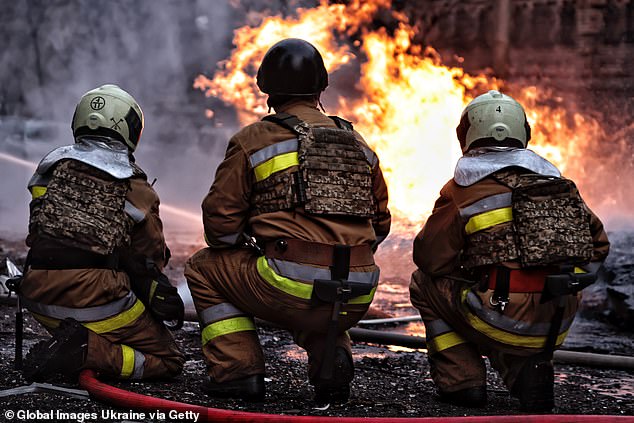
405	102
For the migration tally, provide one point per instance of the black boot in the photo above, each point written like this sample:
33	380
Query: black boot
250	388
64	353
534	386
475	397
337	389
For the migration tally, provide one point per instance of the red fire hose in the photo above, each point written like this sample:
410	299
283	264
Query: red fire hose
130	400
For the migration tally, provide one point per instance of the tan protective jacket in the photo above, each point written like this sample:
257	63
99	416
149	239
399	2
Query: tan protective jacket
226	208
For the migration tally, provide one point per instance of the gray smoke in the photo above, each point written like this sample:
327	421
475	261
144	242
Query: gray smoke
54	51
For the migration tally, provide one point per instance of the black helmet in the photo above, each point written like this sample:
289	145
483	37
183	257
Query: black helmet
292	67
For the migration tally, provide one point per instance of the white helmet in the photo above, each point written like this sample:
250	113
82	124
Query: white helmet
109	110
493	116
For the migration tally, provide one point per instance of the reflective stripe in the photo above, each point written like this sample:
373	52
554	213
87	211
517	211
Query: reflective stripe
86	314
139	363
136	214
219	312
294	288
369	155
444	342
127	366
504	337
308	273
579	270
230	239
489	203
275	164
118	321
276	149
225	327
486	220
436	327
37	191
507	324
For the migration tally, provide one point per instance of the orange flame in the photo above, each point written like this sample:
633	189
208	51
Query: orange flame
409	103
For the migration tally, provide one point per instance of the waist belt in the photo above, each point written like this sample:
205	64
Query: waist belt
315	253
522	280
71	258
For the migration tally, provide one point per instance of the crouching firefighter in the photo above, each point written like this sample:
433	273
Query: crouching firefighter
501	261
307	195
93	272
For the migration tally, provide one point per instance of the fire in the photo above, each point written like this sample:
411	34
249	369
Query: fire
407	103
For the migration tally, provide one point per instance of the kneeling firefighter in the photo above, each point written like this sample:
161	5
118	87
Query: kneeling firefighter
93	273
501	261
307	195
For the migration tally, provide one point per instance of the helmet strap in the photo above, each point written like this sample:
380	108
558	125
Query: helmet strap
321	106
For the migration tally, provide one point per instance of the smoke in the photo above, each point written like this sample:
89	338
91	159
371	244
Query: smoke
53	52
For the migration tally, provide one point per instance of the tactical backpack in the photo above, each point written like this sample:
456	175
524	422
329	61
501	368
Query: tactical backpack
334	177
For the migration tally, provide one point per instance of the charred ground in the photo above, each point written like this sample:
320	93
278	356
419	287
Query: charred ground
387	382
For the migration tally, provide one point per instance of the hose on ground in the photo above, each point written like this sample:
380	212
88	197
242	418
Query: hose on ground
131	400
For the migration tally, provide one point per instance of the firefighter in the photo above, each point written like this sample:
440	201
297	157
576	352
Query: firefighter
306	194
94	269
501	261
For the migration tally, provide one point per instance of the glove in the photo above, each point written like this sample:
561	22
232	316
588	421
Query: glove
162	299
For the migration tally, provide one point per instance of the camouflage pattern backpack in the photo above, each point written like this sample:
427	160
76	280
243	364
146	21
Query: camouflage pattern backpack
83	207
334	176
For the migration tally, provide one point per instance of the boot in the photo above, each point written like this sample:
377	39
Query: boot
250	388
475	397
64	353
535	385
337	389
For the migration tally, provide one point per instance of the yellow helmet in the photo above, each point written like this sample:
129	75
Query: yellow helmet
493	116
109	110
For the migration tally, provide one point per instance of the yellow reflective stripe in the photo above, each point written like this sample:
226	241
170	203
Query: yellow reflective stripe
444	341
225	327
509	338
37	191
299	289
291	287
363	299
488	219
275	164
127	367
118	321
579	270
102	326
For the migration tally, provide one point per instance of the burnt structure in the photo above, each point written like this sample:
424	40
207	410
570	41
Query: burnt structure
570	43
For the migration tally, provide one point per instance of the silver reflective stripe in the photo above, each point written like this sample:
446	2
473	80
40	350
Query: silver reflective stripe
436	327
229	239
507	324
369	155
480	163
276	149
486	204
86	314
306	273
139	361
136	214
219	312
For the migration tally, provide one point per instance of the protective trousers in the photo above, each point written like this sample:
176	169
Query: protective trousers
458	337
229	291
124	340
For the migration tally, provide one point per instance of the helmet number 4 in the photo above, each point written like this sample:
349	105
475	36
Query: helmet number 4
499	109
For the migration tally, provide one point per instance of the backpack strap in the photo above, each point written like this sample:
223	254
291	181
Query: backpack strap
286	120
342	123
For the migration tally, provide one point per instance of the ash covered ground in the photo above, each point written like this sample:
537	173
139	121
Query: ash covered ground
388	382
